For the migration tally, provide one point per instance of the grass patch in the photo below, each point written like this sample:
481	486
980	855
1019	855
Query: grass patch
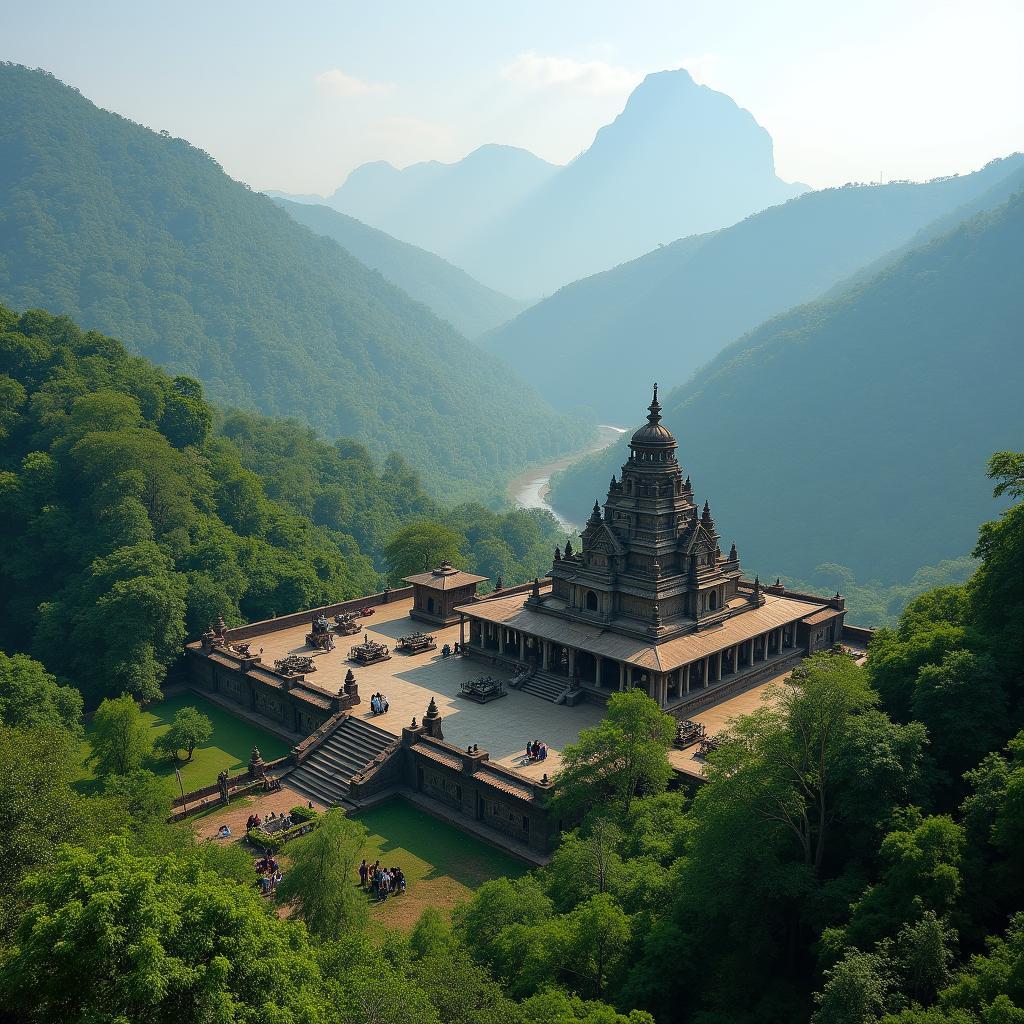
443	865
229	746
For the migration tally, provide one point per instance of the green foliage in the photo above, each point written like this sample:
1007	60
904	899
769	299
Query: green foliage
421	546
114	935
32	698
120	738
450	293
624	754
322	876
144	795
143	236
190	729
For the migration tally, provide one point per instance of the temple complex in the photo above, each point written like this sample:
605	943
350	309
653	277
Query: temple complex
650	600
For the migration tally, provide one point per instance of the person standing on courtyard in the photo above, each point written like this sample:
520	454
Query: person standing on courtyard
363	872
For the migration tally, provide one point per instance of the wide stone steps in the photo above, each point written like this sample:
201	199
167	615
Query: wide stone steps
546	686
326	774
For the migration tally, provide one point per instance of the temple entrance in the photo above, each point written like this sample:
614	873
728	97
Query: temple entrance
586	666
591	601
430	606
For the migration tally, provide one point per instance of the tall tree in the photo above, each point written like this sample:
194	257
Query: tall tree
421	546
120	737
30	697
626	752
322	877
189	729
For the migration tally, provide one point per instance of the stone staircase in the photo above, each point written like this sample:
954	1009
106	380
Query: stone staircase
545	685
325	775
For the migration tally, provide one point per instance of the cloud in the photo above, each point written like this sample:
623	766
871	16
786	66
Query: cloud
589	78
342	86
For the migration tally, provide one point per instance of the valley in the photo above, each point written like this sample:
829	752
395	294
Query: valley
380	645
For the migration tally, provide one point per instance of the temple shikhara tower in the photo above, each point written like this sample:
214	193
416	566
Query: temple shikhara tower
650	600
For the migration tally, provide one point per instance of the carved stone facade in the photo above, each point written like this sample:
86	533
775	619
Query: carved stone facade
651	600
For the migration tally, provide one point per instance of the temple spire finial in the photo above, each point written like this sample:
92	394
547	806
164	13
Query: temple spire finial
654	409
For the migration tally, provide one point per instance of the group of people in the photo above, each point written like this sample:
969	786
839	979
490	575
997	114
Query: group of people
383	882
536	751
379	704
447	651
269	874
255	821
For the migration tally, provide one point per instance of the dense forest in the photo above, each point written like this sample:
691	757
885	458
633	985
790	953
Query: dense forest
688	299
450	293
854	857
852	430
142	236
134	513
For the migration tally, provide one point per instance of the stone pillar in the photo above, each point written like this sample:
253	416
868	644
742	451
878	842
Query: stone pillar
664	691
544	649
707	671
718	666
598	665
462	631
622	676
501	639
572	661
686	677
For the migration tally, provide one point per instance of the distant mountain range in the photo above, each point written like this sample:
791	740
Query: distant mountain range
450	293
857	429
679	159
681	304
142	236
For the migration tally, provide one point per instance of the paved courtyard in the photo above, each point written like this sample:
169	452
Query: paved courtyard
502	727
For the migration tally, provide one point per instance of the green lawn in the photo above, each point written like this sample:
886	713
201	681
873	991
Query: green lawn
443	866
229	747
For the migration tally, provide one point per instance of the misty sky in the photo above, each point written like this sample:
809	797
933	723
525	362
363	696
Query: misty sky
294	96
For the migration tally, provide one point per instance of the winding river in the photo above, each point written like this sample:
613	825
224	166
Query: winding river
530	489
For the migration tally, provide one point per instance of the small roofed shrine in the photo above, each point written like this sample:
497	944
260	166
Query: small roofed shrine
650	600
437	593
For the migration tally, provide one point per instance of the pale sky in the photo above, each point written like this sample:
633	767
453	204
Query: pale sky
293	96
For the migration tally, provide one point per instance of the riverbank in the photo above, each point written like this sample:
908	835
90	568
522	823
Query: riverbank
530	488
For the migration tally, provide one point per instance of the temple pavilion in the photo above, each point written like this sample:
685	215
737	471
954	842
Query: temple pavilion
650	600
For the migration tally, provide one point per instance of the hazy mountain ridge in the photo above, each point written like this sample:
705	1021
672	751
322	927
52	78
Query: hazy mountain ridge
857	429
450	293
434	205
685	301
679	159
144	237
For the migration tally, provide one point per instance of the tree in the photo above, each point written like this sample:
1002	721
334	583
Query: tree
963	704
421	546
611	762
785	756
120	737
30	697
322	879
189	729
144	795
111	935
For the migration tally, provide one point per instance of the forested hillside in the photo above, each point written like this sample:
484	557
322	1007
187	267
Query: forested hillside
854	857
685	301
127	524
450	293
142	236
852	430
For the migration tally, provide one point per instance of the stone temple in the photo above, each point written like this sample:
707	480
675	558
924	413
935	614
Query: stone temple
650	600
